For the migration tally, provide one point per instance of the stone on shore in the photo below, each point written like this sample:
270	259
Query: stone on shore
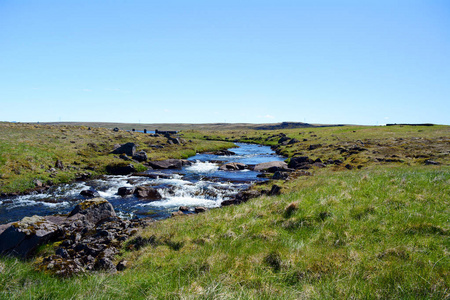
268	165
22	238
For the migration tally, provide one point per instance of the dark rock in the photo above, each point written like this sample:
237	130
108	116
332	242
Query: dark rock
38	183
431	162
233	166
147	192
124	191
128	149
300	162
93	211
265	166
140	156
275	190
184	208
124	157
166	164
225	153
105	264
120	169
173	141
116	129
89	193
319	165
314	146
284	140
62	252
177	213
22	238
293	141
349	166
200	209
59	165
122	265
280	175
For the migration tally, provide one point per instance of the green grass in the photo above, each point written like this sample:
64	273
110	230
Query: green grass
376	234
379	232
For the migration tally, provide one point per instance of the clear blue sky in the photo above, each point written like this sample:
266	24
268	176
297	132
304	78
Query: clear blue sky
358	62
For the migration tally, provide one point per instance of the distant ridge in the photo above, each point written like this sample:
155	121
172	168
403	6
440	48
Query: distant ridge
198	126
285	125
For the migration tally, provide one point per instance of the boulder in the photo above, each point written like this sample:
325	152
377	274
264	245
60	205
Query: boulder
22	238
124	191
300	162
128	148
293	141
200	209
120	169
224	153
140	156
280	175
166	164
233	166
93	211
284	140
147	192
275	190
90	193
267	165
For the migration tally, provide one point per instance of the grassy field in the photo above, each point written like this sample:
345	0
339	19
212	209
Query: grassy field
381	231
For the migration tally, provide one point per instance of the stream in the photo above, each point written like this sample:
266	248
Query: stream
200	184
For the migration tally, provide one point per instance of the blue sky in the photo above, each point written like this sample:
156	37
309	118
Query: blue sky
353	62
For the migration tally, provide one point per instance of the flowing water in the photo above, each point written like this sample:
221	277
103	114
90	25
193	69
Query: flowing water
201	184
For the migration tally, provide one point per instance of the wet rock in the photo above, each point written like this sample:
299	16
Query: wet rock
124	191
233	166
120	169
225	153
89	193
147	192
166	164
200	209
140	156
128	149
183	208
21	238
265	166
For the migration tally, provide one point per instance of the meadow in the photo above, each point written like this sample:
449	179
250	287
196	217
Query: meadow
376	230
